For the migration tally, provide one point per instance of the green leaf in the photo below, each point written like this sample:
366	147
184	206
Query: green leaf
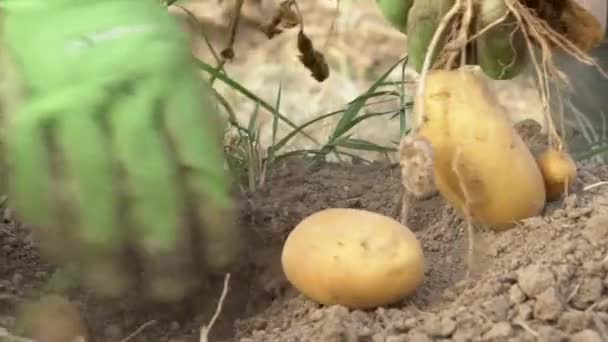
591	153
356	105
232	83
363	145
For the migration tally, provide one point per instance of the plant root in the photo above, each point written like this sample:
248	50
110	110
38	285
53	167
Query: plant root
417	178
467	217
204	335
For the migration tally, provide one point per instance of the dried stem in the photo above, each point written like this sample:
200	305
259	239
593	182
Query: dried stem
228	52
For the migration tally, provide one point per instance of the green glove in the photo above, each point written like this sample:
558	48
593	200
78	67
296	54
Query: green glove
112	156
499	53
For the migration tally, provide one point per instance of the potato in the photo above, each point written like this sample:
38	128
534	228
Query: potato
471	135
351	257
53	318
559	172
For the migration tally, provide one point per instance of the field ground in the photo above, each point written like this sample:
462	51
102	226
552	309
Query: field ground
546	280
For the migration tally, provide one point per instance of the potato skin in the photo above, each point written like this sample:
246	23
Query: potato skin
351	257
470	131
557	169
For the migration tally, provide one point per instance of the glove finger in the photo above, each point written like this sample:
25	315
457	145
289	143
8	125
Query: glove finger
84	142
153	205
44	188
29	182
423	19
396	12
196	146
501	49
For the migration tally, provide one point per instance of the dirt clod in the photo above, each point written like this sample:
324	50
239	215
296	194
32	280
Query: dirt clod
535	278
548	305
516	295
439	327
498	331
573	321
596	228
550	334
586	336
589	292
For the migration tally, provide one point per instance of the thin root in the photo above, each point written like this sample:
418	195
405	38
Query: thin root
526	327
595	185
467	216
405	206
138	331
220	304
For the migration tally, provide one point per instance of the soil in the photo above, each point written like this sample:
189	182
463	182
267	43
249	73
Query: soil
543	280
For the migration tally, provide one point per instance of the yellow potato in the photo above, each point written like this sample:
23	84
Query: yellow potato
53	318
351	257
477	151
559	172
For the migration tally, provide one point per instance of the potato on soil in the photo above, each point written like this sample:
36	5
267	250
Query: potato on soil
480	160
351	257
559	172
52	318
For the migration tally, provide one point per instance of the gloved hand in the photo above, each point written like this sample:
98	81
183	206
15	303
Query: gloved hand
113	156
499	53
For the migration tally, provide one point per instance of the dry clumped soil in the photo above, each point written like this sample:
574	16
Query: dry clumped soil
545	280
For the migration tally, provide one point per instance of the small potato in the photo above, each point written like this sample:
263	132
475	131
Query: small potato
351	257
559	172
52	318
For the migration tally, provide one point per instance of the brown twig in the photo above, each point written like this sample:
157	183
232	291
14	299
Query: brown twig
228	52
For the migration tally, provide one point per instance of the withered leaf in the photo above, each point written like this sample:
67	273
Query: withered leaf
312	59
286	17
